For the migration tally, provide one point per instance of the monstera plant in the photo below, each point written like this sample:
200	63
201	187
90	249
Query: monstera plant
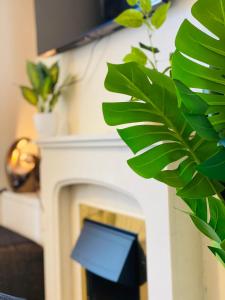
199	63
175	127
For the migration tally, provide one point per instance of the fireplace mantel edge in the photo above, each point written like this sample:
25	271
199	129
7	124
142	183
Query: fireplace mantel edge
77	141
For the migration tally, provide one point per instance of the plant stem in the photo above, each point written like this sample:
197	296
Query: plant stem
149	31
153	52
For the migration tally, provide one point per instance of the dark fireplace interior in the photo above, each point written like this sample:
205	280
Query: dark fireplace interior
114	262
99	288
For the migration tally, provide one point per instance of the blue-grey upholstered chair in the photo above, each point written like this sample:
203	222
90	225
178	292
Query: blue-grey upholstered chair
7	297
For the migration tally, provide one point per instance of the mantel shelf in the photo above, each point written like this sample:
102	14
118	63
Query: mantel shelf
21	212
78	141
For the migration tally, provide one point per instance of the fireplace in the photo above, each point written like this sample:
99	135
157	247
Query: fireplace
81	176
101	289
113	258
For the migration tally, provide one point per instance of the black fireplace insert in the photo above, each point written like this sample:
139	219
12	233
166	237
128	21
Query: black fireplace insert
114	262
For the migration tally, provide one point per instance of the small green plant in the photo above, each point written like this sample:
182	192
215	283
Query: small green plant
44	92
144	14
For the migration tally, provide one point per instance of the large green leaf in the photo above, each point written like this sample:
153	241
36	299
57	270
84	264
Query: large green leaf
219	253
159	134
179	177
30	95
199	187
209	217
46	88
54	100
195	111
150	163
34	75
214	167
199	62
205	229
140	136
129	112
54	73
217	216
199	207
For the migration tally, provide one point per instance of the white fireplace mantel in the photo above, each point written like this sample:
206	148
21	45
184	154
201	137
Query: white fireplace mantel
76	141
101	161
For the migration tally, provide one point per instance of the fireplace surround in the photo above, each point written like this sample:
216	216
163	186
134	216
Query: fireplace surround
82	170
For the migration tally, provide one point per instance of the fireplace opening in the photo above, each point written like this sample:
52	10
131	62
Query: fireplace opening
113	260
101	289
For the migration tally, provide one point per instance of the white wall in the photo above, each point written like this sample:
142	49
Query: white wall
17	43
82	109
84	113
85	117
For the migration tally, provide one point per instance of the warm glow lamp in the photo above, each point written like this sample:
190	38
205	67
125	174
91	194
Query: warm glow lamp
22	166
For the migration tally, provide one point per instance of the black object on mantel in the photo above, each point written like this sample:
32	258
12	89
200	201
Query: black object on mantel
110	258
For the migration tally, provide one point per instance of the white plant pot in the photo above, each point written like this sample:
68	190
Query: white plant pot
45	124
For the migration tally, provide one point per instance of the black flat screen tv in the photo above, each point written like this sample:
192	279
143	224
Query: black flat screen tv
65	24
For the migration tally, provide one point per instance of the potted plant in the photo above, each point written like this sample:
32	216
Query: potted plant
44	94
176	125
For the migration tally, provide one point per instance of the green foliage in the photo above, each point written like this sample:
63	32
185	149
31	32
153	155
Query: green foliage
132	2
160	15
29	95
194	111
44	94
169	135
209	217
219	253
146	6
174	126
151	49
54	73
199	61
144	14
165	145
131	18
199	66
34	75
214	167
136	55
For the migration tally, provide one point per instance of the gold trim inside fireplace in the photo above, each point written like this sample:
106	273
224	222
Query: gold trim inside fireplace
118	220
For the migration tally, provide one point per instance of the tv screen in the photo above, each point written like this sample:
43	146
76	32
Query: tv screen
65	24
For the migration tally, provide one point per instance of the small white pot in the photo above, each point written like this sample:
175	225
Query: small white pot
46	124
